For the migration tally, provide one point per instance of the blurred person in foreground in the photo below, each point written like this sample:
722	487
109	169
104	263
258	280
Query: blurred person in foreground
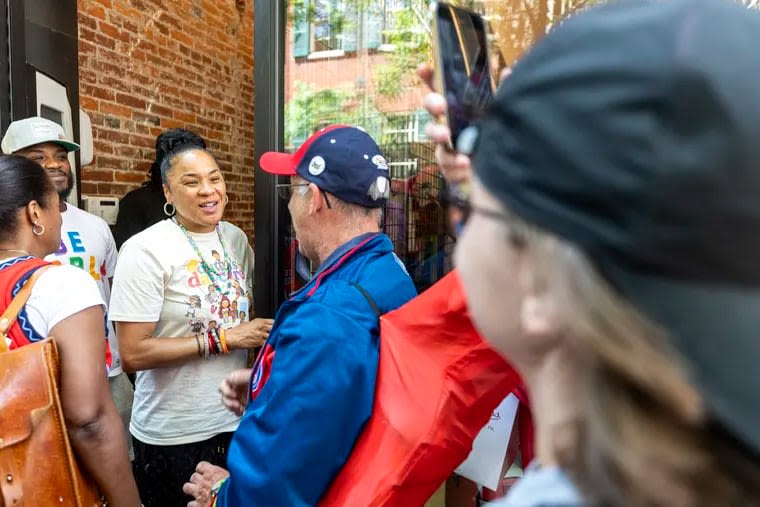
181	297
142	207
66	304
456	168
611	253
312	388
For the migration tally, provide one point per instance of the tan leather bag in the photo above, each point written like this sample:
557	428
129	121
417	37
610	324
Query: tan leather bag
37	464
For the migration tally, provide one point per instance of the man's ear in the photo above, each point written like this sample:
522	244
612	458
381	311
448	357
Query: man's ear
316	200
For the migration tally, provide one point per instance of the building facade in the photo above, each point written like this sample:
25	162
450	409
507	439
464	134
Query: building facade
149	65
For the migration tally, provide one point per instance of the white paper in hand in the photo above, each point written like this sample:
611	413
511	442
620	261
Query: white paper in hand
486	459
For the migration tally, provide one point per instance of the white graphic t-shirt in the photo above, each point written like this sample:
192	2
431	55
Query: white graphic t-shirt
46	308
160	278
87	243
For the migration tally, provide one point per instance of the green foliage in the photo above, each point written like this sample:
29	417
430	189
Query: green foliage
410	43
300	10
310	109
407	38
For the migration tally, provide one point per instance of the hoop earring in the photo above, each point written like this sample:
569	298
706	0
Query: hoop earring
38	229
173	211
226	199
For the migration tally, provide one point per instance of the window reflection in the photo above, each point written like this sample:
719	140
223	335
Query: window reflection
352	62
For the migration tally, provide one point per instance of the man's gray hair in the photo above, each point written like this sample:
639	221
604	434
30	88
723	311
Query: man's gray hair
355	212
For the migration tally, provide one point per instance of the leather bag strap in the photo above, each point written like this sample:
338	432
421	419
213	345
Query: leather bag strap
9	315
11	487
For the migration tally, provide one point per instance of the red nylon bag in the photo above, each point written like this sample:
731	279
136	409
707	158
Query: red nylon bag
438	382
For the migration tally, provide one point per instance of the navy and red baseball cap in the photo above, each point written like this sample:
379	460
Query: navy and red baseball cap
342	160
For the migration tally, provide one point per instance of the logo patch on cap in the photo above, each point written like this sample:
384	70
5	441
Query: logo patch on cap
380	189
42	130
380	162
317	166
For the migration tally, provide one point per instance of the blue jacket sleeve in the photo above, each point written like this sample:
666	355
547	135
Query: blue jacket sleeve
298	432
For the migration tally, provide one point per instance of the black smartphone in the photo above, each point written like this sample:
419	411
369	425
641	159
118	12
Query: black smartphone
462	65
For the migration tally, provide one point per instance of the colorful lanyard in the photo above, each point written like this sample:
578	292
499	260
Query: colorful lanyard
213	275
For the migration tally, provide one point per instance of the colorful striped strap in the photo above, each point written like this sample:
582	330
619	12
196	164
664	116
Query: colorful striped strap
9	315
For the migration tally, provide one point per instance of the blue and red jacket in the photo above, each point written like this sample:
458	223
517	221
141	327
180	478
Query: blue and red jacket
313	384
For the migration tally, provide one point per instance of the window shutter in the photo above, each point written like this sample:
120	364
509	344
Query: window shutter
350	27
301	27
374	29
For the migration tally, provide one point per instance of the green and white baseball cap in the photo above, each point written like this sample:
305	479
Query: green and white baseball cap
35	130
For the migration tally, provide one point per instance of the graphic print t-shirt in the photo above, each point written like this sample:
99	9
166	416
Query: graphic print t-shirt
160	278
87	243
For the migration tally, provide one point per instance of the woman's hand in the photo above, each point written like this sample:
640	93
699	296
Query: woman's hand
249	335
234	390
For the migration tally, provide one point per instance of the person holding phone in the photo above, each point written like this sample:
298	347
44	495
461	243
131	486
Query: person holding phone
451	75
612	176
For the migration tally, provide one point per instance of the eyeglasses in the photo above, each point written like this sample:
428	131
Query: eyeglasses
467	210
517	235
489	213
285	191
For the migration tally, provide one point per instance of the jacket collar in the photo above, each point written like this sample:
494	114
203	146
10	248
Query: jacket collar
334	261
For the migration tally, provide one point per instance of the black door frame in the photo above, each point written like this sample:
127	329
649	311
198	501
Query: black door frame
5	69
270	219
38	35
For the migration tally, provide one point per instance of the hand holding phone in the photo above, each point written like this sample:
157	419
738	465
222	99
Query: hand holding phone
462	67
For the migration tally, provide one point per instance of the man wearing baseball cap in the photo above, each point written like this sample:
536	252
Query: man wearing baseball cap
86	240
44	142
311	389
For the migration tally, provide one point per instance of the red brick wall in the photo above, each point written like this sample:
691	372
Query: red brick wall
149	65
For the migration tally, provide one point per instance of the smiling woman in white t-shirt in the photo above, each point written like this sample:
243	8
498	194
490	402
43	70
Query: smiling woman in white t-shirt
64	303
181	293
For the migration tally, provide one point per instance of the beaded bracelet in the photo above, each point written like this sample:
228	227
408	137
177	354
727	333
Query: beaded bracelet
217	342
223	339
214	342
210	341
205	347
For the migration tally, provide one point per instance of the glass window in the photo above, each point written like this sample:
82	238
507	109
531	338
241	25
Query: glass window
327	26
51	114
354	61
